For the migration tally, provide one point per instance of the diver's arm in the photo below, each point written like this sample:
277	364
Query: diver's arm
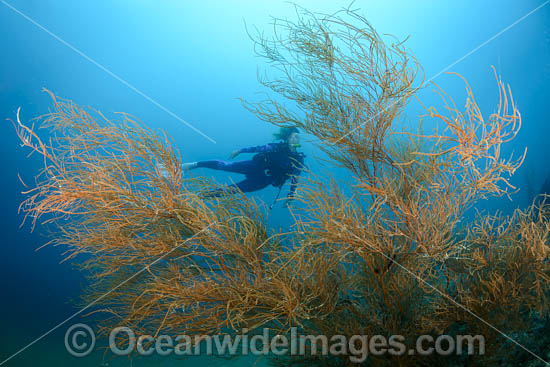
293	185
294	177
259	149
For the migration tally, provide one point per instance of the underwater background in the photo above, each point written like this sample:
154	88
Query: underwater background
195	59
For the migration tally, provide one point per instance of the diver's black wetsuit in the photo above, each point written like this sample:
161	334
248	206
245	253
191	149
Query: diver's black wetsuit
273	165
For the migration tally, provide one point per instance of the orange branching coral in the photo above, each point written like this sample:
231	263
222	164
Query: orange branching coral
156	247
387	253
346	82
476	142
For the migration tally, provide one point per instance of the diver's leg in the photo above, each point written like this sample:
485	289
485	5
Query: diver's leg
244	167
247	185
253	183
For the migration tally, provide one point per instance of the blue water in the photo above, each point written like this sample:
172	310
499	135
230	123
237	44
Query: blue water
195	59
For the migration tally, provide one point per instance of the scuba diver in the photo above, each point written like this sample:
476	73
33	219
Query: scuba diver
273	164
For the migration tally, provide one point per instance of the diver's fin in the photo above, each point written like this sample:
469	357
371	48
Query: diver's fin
189	165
